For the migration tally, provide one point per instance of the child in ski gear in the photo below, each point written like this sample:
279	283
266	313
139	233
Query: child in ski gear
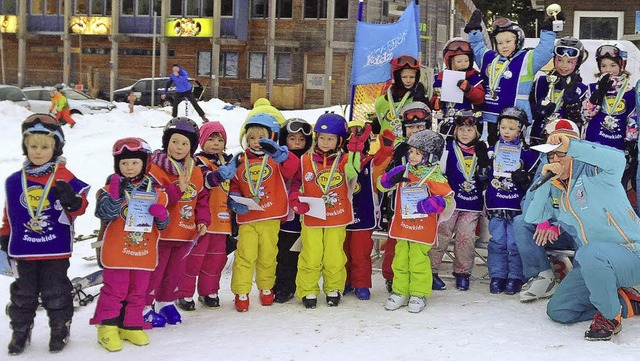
184	89
173	168
415	229
38	235
560	92
296	135
128	256
457	56
264	168
324	175
508	70
466	166
512	165
405	88
533	240
595	210
208	257
60	106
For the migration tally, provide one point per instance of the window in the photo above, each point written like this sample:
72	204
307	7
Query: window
606	25
37	7
127	7
81	7
193	8
317	9
229	64
96	7
260	9
144	8
52	7
175	8
10	7
204	63
226	8
258	66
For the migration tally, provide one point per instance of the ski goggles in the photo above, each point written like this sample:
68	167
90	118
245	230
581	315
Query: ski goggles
415	114
406	60
131	144
500	24
465	118
46	121
567	51
298	126
608	51
458	45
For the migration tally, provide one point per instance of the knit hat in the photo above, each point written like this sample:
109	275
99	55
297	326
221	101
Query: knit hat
563	126
209	128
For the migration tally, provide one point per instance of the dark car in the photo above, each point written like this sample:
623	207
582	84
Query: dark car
142	90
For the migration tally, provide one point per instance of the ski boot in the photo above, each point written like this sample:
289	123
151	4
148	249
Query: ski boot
109	338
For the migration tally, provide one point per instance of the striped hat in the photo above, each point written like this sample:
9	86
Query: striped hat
563	126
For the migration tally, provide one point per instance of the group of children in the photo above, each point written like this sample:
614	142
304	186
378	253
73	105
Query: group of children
166	214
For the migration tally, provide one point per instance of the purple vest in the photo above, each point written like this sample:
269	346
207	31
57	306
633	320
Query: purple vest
611	132
507	89
364	207
503	192
52	234
541	90
468	194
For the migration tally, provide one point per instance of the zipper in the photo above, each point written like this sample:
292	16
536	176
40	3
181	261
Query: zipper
610	221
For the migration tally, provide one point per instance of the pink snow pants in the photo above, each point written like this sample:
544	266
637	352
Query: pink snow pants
463	224
205	262
122	285
163	285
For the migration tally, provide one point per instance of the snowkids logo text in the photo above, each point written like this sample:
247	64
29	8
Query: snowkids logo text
384	54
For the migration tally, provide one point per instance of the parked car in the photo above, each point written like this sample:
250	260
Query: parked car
142	90
14	94
79	102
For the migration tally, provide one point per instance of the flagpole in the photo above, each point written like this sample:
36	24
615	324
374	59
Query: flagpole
353	87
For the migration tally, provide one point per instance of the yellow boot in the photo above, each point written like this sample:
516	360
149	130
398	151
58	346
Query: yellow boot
109	338
136	337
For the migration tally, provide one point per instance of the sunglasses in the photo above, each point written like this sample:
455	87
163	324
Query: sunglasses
132	144
415	114
458	46
47	121
566	51
406	60
556	153
297	126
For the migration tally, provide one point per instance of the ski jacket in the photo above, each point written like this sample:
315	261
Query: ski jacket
181	81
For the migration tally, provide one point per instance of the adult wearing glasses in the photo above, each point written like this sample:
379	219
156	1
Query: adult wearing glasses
585	197
560	92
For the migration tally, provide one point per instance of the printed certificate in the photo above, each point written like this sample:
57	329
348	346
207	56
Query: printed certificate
409	198
138	217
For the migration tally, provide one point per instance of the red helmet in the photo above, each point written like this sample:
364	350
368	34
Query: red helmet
457	46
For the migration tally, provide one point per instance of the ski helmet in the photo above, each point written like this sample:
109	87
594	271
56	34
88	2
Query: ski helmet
59	87
415	113
209	128
265	120
400	63
457	46
501	25
514	113
572	48
184	126
430	143
614	51
43	123
131	147
297	125
332	123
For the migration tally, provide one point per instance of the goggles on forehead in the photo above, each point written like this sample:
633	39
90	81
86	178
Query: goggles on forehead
296	126
566	51
406	60
132	144
415	114
42	128
45	120
501	23
608	50
458	46
466	117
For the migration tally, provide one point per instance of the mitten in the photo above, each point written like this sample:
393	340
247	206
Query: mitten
393	177
570	87
547	24
69	199
4	243
357	140
386	147
115	191
235	207
602	87
521	177
279	153
399	152
433	204
388	138
475	22
464	85
295	203
226	171
158	211
482	154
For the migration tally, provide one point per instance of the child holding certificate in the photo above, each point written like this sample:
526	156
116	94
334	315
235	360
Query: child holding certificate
423	199
133	212
512	167
174	169
264	168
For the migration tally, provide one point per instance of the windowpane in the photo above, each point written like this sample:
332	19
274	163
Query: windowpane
229	64
193	8
81	7
9	7
342	9
313	9
284	9
256	66
176	8
37	7
52	7
207	8
259	8
598	28
127	7
283	66
96	7
227	7
144	7
204	63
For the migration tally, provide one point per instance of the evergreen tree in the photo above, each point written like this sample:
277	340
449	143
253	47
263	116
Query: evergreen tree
519	11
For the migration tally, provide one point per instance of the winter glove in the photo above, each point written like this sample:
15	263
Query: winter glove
386	147
433	204
117	186
546	226
464	85
235	207
357	140
69	199
4	243
158	211
399	152
521	177
295	203
224	172
279	153
602	87
475	22
394	176
482	154
570	86
547	23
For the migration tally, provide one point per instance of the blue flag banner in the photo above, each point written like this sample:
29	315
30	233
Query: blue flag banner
377	44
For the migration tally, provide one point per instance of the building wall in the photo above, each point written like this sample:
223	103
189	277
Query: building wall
570	6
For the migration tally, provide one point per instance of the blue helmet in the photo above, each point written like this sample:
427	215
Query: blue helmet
332	123
267	121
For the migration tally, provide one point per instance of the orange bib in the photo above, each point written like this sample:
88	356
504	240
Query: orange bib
318	177
220	216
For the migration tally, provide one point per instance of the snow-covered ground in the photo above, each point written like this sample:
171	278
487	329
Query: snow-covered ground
473	325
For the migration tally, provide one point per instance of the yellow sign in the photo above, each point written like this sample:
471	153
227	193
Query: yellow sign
90	25
189	27
9	24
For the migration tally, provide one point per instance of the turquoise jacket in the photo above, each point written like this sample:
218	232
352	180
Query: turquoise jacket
596	207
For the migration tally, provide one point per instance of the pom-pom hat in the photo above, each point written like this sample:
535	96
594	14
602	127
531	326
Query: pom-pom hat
560	126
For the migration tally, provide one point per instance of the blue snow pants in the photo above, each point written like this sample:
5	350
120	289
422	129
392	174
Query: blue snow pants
504	260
